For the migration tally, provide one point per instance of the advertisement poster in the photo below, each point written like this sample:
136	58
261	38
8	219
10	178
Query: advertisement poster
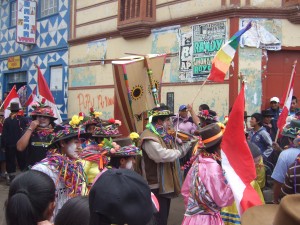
26	22
208	38
186	56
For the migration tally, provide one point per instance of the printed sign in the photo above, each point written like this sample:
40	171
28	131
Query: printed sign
208	38
14	62
26	22
186	55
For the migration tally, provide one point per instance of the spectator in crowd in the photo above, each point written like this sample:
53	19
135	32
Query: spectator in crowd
274	108
203	107
121	196
183	122
31	199
294	106
3	173
291	183
74	212
259	136
286	159
267	118
13	127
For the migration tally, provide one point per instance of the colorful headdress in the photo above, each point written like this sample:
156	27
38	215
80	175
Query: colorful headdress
292	130
122	147
93	118
109	128
161	111
208	115
73	129
40	109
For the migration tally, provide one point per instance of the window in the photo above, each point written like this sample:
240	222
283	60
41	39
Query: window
13	14
56	78
48	7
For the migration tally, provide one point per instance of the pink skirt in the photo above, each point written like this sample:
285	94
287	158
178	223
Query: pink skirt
203	220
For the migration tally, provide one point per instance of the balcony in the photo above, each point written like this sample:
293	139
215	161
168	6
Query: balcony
135	17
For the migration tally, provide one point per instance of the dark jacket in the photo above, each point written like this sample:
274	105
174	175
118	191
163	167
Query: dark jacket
13	128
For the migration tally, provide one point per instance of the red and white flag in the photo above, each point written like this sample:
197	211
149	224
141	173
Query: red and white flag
45	92
287	100
31	98
11	97
237	160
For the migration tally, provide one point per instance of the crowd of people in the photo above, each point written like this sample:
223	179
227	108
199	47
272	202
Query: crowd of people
85	171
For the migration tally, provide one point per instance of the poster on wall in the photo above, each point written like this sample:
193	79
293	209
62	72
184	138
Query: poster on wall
208	38
186	56
26	22
264	34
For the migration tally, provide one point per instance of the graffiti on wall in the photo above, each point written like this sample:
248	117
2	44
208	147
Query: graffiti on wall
208	38
83	100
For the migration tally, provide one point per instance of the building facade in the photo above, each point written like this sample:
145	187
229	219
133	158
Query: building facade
49	50
192	31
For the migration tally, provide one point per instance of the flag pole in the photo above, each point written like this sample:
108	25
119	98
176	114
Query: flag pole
286	97
37	82
200	90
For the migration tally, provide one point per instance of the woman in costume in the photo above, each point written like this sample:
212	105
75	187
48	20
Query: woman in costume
62	163
205	189
93	156
39	134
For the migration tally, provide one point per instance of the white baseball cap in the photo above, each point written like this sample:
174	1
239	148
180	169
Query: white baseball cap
274	99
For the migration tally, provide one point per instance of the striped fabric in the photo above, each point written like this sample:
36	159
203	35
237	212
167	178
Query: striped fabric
200	201
292	179
224	56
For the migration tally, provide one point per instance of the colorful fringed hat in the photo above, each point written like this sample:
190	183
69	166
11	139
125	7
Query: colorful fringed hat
40	109
292	130
73	129
122	147
109	128
160	111
208	115
93	118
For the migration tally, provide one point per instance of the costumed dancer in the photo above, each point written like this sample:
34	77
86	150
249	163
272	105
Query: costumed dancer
205	189
159	164
121	153
39	134
93	155
62	163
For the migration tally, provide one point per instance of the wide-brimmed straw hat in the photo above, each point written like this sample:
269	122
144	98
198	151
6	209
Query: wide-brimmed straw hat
286	213
211	135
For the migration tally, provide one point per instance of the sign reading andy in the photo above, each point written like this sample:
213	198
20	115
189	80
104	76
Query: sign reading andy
208	38
26	22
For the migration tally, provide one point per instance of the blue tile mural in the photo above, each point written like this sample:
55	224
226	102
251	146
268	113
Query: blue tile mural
51	49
